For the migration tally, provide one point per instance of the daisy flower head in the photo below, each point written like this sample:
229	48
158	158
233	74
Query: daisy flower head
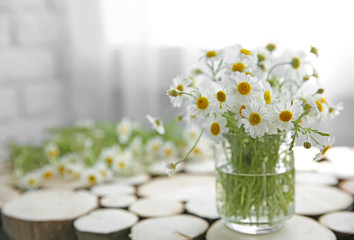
136	145
180	85
73	171
238	107
257	119
216	127
169	150
108	156
320	107
212	55
91	176
105	172
154	146
47	172
244	54
245	87
334	111
201	104
285	113
156	123
191	133
51	150
222	99
324	149
170	167
124	130
269	95
122	163
203	150
31	180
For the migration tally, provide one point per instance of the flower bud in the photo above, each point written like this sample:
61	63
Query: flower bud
320	91
306	78
271	47
307	145
172	93
307	107
314	50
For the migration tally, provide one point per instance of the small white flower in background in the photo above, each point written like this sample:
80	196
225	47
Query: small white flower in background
334	110
170	167
122	162
222	100
124	130
246	56
105	172
183	85
73	158
245	87
200	106
202	151
157	124
285	113
98	133
31	180
136	146
256	119
91	176
109	155
154	146
212	55
47	172
191	133
51	150
169	150
73	171
216	127
324	149
321	108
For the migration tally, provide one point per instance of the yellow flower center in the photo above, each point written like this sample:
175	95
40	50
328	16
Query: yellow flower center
47	175
61	169
255	118
267	97
295	62
211	54
180	88
69	171
244	88
53	153
31	182
103	173
238	67
168	152
326	149
121	165
261	57
155	147
124	130
285	116
196	151
92	179
323	100
241	108
215	128
202	103
248	73
319	105
109	160
245	51
192	135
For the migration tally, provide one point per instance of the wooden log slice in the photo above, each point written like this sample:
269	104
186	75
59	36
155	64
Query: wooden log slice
179	227
156	207
117	201
203	207
297	228
105	224
179	187
318	200
46	215
63	184
348	186
342	223
203	167
7	193
315	178
113	188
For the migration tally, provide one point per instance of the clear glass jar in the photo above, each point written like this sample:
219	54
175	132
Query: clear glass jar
255	180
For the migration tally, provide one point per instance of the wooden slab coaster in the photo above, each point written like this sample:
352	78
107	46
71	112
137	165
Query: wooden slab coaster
348	186
203	167
298	227
7	193
342	223
318	200
179	187
117	201
203	207
104	224
132	180
112	188
46	215
179	227
315	178
156	207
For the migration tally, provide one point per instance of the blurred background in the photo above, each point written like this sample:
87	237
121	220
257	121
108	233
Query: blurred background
63	60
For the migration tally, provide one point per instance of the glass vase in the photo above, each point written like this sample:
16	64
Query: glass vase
255	182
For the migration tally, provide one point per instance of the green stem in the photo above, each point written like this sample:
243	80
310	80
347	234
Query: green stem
190	151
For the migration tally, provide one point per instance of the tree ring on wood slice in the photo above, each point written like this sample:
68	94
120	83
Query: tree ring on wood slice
179	227
133	180
105	224
46	215
179	187
315	178
297	228
117	201
112	188
203	207
203	167
7	193
156	207
342	223
317	200
348	186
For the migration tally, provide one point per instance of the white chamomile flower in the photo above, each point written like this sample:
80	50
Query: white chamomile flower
170	167
73	158
321	108
122	163
136	145
324	149
169	150
73	171
221	99
109	155
201	105
124	130
47	172
245	55
256	119
285	113
245	87
335	110
216	127
105	172
239	66
191	133
268	93
156	123
182	85
202	151
91	176
212	55
51	150
31	180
